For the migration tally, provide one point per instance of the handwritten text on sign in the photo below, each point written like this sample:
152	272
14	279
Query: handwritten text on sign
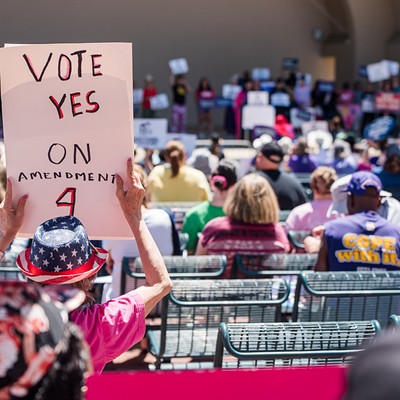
68	128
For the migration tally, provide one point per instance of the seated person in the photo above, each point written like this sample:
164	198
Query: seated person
251	225
222	181
363	240
311	214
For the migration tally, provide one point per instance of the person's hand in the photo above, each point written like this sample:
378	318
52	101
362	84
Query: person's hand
11	218
131	199
312	244
318	231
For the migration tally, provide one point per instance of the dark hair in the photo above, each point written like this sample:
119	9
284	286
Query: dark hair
200	86
227	171
65	380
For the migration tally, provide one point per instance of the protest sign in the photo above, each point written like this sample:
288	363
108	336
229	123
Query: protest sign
298	116
260	74
257	98
326	86
187	139
387	101
257	115
63	104
378	71
280	99
159	102
267	86
137	96
380	128
230	91
289	63
362	71
150	133
179	66
393	67
314	126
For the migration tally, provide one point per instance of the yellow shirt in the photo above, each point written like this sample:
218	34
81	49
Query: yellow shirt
189	185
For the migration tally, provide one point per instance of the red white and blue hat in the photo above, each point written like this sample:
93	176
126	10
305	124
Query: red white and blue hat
61	253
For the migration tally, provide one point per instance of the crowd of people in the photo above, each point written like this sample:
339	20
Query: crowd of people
348	205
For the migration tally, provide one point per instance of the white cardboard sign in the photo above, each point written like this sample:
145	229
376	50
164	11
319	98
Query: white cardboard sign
64	107
151	133
230	91
260	74
179	66
159	102
137	96
378	71
257	98
257	116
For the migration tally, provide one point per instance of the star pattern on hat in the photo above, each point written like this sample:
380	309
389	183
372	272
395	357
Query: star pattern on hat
63	246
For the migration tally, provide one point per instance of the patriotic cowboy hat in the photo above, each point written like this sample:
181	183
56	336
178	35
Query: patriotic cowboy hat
61	253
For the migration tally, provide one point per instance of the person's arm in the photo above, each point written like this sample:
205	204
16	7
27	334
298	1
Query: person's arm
200	249
158	281
10	217
322	261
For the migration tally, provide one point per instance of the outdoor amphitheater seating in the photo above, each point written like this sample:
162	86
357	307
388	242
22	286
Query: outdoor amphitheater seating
192	312
268	345
296	238
179	267
286	266
347	296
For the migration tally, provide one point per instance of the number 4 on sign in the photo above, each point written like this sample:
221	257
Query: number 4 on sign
71	204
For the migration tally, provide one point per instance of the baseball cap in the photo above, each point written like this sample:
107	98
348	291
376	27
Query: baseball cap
272	149
354	183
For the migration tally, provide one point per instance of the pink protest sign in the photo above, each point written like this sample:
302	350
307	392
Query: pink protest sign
68	128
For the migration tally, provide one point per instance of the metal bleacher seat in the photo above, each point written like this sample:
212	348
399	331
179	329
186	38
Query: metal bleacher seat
179	267
394	321
8	268
283	214
269	345
193	310
347	296
286	266
296	238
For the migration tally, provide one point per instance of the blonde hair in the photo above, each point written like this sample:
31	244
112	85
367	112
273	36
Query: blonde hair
175	155
252	201
322	179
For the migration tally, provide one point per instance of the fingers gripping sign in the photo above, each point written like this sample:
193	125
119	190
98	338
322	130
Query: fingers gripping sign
130	198
11	217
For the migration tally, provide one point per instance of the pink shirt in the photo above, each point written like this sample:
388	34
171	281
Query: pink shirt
308	215
111	328
224	235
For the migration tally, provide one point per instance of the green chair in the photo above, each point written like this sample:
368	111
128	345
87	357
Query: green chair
192	312
347	296
270	345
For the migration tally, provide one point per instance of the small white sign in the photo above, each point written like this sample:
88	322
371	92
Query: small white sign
257	116
137	96
150	133
280	100
378	71
314	126
298	117
393	66
230	91
159	102
260	74
179	66
257	98
187	139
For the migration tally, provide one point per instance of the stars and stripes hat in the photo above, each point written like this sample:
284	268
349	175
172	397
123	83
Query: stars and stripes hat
61	253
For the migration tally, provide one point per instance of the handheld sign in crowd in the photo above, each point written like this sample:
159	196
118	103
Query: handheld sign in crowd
378	71
137	96
257	98
380	128
179	66
159	102
257	116
151	133
290	63
68	129
387	101
230	91
260	74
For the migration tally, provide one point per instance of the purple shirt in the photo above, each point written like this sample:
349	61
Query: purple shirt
111	328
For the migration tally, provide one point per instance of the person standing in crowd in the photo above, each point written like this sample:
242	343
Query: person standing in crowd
42	355
180	89
62	254
251	224
301	160
176	181
149	91
239	103
287	189
204	100
222	181
302	94
161	228
363	240
311	214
